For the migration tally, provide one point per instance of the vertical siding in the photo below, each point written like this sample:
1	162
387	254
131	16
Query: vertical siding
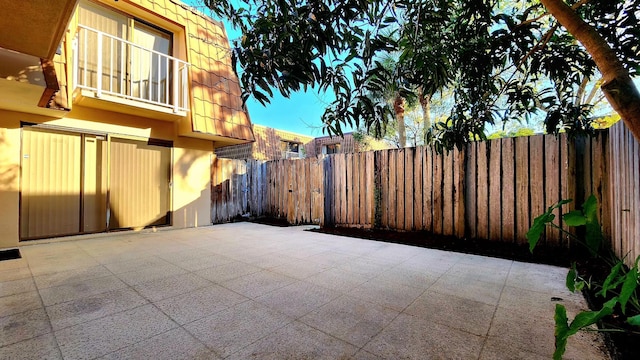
139	184
51	185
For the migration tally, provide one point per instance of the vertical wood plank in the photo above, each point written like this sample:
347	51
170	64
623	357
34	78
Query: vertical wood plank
437	193
427	188
417	187
523	166
363	189
458	191
536	186
552	184
400	186
350	177
409	164
447	193
371	184
343	188
471	191
508	191
567	184
495	191
393	189
482	212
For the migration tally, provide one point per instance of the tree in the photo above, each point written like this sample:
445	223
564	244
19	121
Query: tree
393	96
503	62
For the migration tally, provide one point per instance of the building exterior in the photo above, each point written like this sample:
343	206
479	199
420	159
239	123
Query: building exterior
270	144
275	144
110	112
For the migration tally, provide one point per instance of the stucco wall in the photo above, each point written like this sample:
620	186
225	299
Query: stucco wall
9	180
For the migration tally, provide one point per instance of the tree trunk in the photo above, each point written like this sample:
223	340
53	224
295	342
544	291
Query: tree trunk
398	108
425	104
617	85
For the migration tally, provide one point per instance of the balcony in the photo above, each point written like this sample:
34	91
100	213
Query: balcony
118	75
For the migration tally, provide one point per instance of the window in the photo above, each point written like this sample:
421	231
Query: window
331	149
290	149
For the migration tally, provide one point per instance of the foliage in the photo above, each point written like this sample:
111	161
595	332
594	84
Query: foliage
618	289
505	61
605	122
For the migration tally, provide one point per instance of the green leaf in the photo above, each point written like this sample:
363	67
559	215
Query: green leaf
628	287
561	332
634	320
593	236
571	278
539	223
574	218
606	285
588	318
590	207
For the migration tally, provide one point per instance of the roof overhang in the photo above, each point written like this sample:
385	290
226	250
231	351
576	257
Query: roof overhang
34	27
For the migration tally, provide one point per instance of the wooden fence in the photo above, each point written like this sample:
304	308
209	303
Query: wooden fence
295	190
624	192
490	190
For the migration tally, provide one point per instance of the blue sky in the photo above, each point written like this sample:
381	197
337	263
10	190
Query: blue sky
301	113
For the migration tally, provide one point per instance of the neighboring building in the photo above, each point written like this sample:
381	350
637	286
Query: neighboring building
274	144
110	112
343	144
270	144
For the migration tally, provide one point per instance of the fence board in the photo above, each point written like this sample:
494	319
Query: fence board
437	193
447	193
371	195
471	190
393	189
482	213
495	190
552	184
400	188
427	186
567	184
508	191
458	191
384	189
351	179
535	186
417	188
521	206
409	155
362	189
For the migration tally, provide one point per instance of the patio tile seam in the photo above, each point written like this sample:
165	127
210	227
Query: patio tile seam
304	324
382	328
97	318
257	340
44	308
495	310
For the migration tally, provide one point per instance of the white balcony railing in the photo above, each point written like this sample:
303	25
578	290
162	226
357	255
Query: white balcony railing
106	64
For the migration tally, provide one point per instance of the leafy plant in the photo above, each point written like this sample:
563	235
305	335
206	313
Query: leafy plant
619	288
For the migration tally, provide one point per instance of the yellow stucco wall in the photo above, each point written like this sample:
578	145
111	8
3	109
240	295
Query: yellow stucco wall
192	187
9	181
191	163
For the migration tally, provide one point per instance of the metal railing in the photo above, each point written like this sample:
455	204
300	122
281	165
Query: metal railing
110	65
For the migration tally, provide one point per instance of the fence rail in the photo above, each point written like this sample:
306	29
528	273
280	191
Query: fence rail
490	190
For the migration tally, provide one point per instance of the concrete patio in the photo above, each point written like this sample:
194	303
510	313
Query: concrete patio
244	290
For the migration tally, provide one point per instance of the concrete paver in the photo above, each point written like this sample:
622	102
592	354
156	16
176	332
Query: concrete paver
245	290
